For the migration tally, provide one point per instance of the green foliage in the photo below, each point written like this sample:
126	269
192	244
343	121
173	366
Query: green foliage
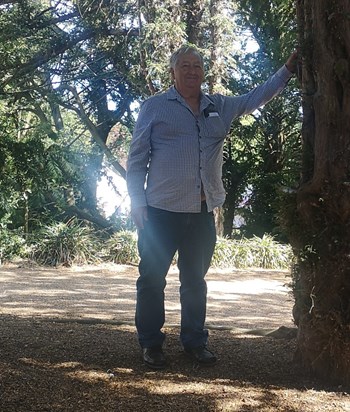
262	252
60	68
277	163
74	243
223	254
12	244
272	136
64	63
122	222
35	172
65	243
122	247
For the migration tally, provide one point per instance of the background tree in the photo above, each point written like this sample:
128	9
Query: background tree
319	218
61	68
72	72
74	68
271	134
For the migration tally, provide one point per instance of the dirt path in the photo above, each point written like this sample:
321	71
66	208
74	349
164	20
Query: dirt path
67	343
241	299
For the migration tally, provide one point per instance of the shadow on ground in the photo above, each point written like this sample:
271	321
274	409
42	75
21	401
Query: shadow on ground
67	366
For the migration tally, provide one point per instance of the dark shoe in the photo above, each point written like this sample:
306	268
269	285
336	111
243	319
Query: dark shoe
201	355
154	357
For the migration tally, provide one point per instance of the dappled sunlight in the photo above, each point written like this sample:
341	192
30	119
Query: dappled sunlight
178	388
72	366
225	394
241	299
89	376
32	291
62	365
96	270
236	298
77	370
122	371
172	306
210	386
249	287
82	292
31	311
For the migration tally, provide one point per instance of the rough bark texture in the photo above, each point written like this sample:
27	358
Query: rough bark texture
322	216
194	13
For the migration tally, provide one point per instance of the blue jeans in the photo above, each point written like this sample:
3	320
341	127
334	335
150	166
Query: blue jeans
193	236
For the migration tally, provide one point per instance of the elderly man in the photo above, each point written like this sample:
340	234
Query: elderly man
174	182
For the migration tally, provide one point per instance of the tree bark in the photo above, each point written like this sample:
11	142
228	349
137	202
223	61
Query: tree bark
321	232
194	13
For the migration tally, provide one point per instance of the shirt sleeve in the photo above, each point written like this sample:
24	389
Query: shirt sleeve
245	104
139	156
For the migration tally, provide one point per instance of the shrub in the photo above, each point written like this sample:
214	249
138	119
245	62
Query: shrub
269	254
122	247
65	243
262	252
12	244
223	254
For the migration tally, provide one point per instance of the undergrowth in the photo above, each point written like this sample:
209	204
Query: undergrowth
76	243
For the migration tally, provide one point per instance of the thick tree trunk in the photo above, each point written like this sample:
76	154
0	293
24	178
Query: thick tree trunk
321	225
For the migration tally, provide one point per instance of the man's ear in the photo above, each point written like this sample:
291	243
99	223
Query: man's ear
172	74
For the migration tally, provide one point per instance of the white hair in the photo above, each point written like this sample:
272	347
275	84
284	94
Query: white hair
184	50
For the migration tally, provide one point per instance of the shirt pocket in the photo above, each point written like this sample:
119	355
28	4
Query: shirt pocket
214	126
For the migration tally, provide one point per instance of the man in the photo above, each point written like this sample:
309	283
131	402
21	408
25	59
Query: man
174	182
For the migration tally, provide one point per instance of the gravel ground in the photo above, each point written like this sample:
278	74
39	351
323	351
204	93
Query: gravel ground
67	343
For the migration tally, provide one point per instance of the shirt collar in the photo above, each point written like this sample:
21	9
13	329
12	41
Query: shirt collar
173	94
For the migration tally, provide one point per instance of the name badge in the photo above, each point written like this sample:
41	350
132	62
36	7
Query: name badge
213	114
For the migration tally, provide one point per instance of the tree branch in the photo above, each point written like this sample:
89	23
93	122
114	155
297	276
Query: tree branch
45	56
94	132
4	2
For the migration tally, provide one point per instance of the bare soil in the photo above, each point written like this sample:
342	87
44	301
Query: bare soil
67	343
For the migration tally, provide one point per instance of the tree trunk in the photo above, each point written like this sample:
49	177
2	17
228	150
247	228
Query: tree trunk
320	230
194	13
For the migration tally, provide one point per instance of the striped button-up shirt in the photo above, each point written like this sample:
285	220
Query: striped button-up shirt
175	155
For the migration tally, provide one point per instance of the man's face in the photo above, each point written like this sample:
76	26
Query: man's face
188	73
